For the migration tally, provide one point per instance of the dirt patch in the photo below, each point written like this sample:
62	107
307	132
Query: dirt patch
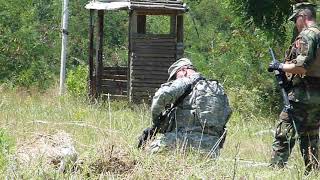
113	165
112	160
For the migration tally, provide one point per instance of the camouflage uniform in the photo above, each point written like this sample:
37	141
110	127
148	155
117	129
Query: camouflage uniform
188	130
304	95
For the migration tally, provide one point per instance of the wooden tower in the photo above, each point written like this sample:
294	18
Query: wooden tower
149	54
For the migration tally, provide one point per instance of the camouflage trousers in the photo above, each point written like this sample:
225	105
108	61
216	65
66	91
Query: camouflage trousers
182	141
306	118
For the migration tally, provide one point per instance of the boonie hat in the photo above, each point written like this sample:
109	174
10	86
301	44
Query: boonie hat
177	65
297	8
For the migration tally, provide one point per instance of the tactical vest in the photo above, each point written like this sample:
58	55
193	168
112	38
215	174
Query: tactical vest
314	70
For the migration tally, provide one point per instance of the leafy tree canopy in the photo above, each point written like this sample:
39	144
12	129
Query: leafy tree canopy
269	15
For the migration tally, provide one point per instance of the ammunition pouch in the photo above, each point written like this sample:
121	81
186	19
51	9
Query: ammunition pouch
306	90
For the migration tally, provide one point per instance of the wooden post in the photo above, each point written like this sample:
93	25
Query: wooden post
65	16
173	24
180	46
92	84
133	30
99	52
141	24
180	28
129	55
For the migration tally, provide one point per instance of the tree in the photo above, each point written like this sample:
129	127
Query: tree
268	15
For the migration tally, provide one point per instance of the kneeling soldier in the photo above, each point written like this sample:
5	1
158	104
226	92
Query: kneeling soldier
190	112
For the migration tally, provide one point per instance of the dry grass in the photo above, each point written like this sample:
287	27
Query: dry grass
106	136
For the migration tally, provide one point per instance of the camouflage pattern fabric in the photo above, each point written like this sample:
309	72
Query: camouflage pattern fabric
304	95
306	119
199	122
307	43
306	88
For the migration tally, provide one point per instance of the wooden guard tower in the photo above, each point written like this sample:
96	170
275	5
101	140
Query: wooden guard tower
149	55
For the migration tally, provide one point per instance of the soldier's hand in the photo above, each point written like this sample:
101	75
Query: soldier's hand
275	66
147	133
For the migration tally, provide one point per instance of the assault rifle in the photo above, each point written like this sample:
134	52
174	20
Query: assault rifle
282	82
162	124
165	119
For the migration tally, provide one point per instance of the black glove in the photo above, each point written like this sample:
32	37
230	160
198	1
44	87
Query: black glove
147	134
275	66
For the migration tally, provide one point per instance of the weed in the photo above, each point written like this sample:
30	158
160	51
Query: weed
107	143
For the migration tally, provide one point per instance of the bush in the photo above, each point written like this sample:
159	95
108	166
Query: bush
77	81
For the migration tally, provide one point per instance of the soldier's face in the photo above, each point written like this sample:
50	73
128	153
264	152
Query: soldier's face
300	22
181	73
184	72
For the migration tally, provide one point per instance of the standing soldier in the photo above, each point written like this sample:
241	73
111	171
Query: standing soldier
303	120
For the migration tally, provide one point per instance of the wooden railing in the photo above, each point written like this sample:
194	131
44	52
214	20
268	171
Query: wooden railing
114	81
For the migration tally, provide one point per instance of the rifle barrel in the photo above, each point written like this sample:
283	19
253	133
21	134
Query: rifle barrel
272	54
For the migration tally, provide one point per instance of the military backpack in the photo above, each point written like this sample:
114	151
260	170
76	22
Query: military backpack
211	106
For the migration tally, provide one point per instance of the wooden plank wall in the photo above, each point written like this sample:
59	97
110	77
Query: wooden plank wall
150	60
114	81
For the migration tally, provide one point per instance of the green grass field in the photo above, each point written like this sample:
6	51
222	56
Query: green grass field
105	136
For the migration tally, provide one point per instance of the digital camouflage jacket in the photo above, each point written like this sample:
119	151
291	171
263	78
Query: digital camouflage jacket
200	118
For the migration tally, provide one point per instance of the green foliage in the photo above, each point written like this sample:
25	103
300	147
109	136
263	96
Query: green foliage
77	81
116	28
27	44
116	38
6	145
221	45
269	15
158	24
235	54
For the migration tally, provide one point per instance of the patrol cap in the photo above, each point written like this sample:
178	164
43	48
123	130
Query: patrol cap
177	65
297	8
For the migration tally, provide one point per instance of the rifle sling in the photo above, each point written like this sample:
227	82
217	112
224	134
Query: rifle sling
180	99
150	132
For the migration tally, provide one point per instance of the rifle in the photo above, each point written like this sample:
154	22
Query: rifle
282	83
160	125
163	124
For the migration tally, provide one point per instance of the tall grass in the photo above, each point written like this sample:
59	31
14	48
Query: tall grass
106	136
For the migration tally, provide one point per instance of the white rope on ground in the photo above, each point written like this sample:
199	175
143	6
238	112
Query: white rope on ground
250	163
71	124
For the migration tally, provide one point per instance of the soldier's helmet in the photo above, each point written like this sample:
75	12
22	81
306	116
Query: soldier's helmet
177	65
299	7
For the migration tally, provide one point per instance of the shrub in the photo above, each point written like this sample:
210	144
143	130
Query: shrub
77	81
